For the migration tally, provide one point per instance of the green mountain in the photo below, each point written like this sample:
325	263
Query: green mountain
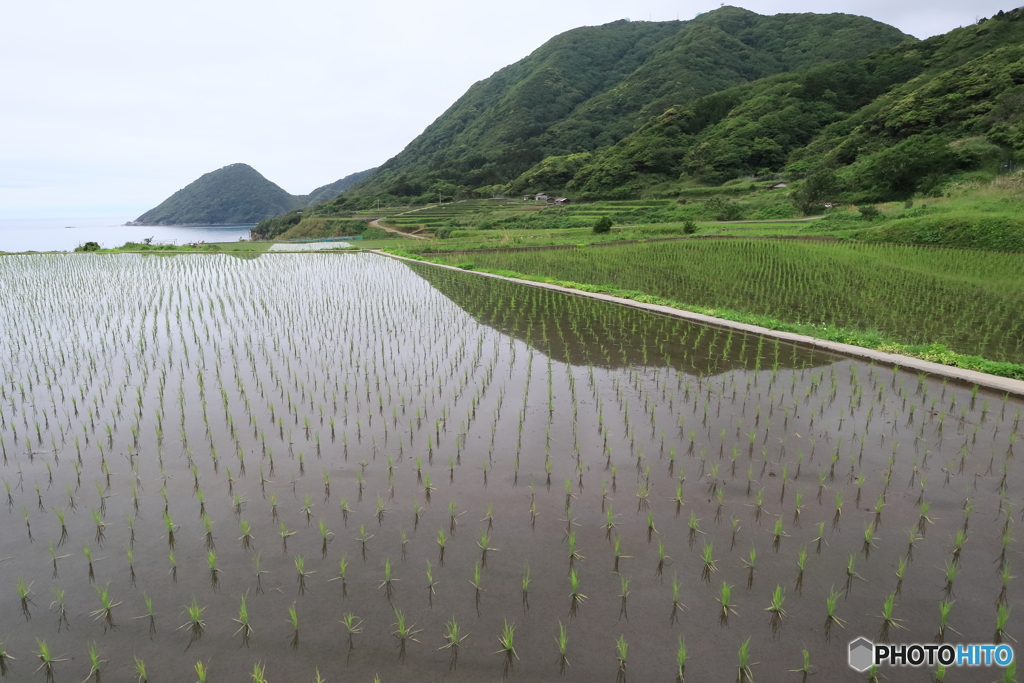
591	87
901	121
326	193
236	195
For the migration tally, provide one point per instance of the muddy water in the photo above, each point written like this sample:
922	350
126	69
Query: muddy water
222	376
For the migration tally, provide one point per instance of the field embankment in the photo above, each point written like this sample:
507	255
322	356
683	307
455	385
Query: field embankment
961	308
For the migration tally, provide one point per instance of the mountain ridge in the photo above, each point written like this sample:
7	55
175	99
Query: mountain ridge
237	194
588	88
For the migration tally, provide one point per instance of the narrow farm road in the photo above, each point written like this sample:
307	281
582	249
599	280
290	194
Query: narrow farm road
376	223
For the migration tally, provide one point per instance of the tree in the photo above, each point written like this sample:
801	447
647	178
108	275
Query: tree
603	225
819	187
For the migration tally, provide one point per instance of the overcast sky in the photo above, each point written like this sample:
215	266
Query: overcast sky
109	106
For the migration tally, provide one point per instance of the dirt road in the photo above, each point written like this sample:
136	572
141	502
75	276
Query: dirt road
376	223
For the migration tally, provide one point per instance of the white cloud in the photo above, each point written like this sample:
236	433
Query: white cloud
121	103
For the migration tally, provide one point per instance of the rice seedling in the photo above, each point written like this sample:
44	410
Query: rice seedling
477	584
806	668
609	524
1006	540
453	637
777	534
388	584
4	658
678	498
140	670
211	562
778	597
105	613
758	505
381	510
869	534
743	672
951	572
485	539
694	525
839	511
285	535
709	563
507	641
293	621
353	625
945	607
958	545
562	641
363	539
621	652
1002	616
724	599
201	672
923	520
623	595
171	527
879	506
95	663
750	567
195	625
208	536
441	542
1004	577
888	621
244	627
851	574
404	632
576	598
62	614
150	615
25	598
173	571
63	525
526	588
820	538
47	659
246	538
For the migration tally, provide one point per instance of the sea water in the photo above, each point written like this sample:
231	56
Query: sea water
64	233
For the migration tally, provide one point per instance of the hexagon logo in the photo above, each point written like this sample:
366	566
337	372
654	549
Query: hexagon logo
861	654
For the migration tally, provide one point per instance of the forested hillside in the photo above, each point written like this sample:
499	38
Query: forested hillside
590	87
237	195
900	121
232	195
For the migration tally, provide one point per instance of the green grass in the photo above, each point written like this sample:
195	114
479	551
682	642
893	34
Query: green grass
231	248
951	307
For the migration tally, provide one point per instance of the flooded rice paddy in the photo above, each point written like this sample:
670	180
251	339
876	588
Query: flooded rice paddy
367	452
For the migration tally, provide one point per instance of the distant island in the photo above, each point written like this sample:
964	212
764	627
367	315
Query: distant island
237	195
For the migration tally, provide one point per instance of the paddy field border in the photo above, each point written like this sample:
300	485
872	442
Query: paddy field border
985	380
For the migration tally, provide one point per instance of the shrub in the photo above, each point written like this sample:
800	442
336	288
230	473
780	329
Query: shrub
689	226
88	246
868	213
603	225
